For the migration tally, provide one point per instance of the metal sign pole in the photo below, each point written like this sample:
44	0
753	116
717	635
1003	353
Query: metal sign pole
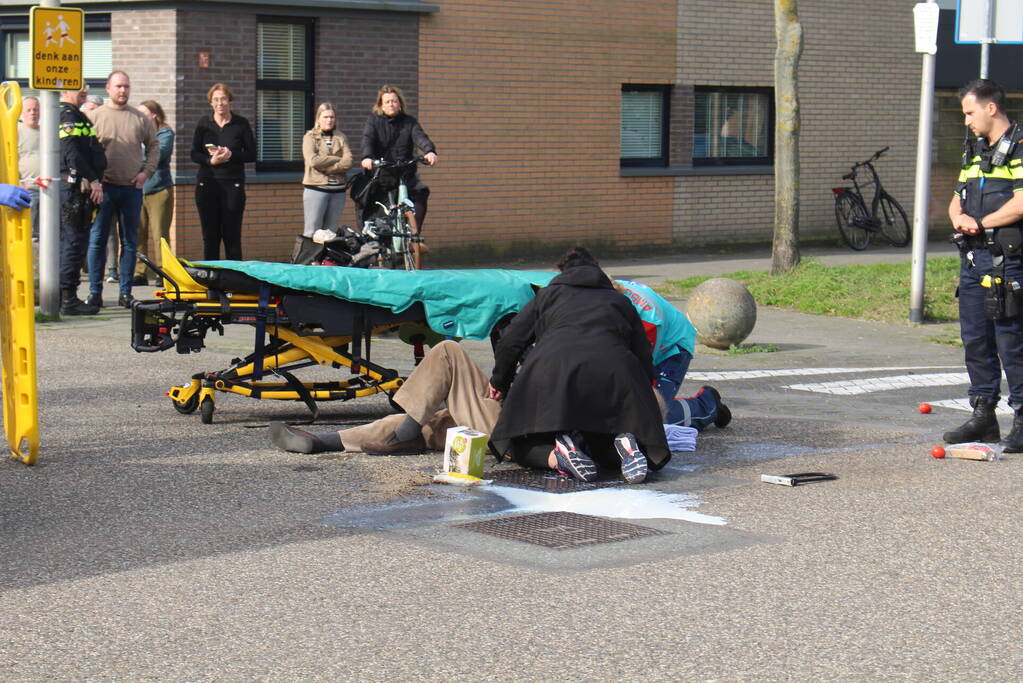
926	16
49	199
985	46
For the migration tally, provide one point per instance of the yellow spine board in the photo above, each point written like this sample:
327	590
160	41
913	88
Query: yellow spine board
17	300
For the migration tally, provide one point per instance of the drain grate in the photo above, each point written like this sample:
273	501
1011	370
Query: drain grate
561	530
548	481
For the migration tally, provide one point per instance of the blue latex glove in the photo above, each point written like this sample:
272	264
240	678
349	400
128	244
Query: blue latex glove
15	197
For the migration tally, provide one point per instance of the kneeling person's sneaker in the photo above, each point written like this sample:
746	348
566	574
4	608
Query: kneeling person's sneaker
723	415
572	460
634	466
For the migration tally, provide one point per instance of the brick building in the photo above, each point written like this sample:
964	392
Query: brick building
605	122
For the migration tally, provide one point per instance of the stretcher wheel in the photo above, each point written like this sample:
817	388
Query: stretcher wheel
206	411
189	406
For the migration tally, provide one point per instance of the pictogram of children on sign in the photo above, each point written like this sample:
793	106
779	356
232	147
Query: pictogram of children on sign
65	30
48	32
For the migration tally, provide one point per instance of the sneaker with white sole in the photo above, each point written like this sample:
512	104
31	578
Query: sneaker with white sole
572	461
634	465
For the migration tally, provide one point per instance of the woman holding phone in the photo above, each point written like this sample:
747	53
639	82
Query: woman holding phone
222	144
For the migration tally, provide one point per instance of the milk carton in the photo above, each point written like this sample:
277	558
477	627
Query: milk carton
464	451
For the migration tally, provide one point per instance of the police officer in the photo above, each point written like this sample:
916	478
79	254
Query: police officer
987	215
81	159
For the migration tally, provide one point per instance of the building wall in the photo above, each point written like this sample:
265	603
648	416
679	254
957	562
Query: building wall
160	51
859	91
523	102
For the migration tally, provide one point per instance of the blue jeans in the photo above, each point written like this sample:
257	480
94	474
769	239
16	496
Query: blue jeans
126	202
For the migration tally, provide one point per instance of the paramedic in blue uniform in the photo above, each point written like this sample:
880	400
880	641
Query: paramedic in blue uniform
987	215
673	338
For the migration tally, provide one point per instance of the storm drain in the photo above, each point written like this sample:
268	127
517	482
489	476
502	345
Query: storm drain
561	530
551	482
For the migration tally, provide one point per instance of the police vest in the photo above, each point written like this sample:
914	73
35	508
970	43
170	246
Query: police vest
984	187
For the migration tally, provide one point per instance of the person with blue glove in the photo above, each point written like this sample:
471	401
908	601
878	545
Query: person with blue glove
15	197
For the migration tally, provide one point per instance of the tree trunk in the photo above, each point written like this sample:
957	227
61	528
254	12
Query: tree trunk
785	251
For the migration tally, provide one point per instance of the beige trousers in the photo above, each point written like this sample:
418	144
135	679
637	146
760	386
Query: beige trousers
154	224
446	376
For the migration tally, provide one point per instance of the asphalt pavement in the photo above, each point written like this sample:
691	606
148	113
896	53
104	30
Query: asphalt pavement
148	546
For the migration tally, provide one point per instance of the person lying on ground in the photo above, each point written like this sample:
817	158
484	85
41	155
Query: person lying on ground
446	389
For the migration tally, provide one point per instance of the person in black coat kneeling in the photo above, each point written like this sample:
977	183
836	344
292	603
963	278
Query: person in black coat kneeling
583	394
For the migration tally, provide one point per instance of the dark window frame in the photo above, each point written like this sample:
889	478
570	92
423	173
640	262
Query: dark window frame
306	86
658	161
738	161
94	21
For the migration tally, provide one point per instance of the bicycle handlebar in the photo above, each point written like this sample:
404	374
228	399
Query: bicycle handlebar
875	155
384	163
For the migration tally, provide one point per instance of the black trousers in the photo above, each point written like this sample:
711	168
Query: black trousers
532	450
221	204
74	243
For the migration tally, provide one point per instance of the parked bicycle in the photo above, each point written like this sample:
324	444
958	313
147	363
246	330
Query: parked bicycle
856	224
388	214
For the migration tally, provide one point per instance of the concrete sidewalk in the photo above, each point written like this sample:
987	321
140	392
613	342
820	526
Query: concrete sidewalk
146	545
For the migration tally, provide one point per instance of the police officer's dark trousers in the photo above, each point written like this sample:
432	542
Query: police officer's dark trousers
988	345
74	240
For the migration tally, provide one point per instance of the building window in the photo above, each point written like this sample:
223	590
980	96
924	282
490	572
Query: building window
644	125
284	91
97	60
733	126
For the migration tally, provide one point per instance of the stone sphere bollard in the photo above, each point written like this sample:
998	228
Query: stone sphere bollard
723	312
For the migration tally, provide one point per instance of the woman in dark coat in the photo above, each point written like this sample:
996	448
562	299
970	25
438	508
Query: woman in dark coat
583	394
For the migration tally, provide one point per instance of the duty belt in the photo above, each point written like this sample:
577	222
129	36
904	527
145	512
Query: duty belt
975	242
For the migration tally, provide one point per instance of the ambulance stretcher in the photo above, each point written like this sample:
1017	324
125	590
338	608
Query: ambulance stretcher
314	316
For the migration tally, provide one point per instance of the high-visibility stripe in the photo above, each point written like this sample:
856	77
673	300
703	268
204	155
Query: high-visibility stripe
975	172
1016	162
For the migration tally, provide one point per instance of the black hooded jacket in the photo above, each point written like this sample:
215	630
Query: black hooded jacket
591	369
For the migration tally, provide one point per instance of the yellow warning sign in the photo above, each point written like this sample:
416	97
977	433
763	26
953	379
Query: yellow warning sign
57	48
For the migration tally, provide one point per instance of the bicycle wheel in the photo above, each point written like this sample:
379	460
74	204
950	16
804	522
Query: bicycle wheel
851	217
894	224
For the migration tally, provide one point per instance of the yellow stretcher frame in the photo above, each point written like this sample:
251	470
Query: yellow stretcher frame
17	298
289	351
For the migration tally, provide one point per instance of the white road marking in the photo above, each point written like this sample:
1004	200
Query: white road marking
964	405
854	387
795	372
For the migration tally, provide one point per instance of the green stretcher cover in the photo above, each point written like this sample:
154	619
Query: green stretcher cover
458	303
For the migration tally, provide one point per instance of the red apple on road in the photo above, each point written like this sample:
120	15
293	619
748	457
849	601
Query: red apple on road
938	452
924	408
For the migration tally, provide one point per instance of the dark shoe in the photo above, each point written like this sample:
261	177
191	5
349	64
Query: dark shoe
72	305
416	445
983	426
634	466
139	281
572	461
124	301
294	440
95	300
723	415
1014	440
112	277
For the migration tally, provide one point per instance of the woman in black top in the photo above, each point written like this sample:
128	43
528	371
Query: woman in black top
223	143
391	134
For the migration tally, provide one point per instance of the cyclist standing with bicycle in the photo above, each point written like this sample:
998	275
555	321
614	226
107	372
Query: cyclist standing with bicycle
393	135
987	215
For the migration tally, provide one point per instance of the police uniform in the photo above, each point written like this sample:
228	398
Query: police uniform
82	158
991	341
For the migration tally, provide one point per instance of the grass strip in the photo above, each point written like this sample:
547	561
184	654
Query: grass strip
868	292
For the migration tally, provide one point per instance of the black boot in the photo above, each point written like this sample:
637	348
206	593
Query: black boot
983	426
70	304
723	415
1014	440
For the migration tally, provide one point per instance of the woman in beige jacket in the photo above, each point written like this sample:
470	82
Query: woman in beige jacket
327	157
